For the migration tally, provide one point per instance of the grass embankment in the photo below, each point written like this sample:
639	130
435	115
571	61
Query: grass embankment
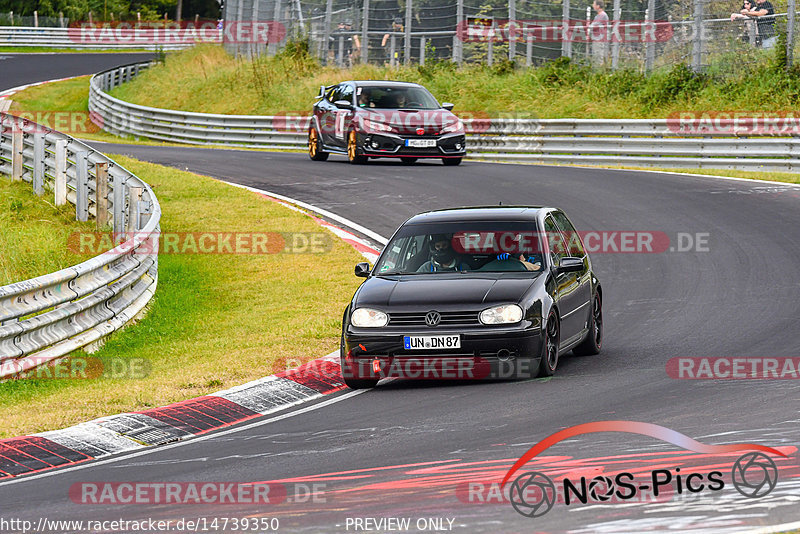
33	233
207	79
217	320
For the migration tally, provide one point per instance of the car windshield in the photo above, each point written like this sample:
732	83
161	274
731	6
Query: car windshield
395	97
463	247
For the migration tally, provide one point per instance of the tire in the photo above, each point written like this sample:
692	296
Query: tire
552	336
352	150
408	161
360	383
594	339
315	151
451	162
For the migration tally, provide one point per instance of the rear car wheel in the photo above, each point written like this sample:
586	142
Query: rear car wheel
594	339
315	151
352	149
552	333
408	161
451	161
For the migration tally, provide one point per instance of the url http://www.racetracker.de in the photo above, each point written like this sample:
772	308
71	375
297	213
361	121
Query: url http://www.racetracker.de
196	524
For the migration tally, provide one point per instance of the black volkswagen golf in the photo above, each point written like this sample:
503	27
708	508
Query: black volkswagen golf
467	293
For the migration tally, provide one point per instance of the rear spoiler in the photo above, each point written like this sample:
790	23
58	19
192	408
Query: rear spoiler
322	89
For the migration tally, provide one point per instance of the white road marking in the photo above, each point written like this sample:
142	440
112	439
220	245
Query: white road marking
90	465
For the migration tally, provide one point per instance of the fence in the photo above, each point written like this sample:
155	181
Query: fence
640	34
45	318
98	38
639	142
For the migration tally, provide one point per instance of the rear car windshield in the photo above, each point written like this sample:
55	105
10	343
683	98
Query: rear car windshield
377	97
427	249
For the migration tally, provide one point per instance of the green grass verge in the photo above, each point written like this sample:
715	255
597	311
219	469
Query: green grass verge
217	320
34	232
207	79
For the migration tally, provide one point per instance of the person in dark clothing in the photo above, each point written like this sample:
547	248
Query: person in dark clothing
764	13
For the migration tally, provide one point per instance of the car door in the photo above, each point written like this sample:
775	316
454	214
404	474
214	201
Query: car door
566	297
327	116
342	117
575	249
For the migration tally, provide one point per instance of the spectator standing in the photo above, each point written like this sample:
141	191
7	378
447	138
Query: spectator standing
598	33
386	42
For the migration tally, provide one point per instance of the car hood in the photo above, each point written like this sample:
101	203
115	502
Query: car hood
425	292
430	120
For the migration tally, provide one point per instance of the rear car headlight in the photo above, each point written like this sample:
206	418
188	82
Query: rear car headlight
457	126
369	318
505	314
377	126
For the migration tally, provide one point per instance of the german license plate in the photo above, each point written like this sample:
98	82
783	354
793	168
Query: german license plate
431	342
421	143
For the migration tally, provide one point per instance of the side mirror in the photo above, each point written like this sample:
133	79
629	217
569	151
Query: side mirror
570	265
343	104
362	269
448	106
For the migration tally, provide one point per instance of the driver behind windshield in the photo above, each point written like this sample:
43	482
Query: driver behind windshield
443	257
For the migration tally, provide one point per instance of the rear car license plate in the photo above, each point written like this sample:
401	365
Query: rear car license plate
421	143
431	342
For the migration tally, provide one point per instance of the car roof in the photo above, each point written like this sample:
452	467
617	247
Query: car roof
479	213
384	83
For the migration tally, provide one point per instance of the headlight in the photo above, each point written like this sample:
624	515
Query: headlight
455	127
367	318
377	126
505	314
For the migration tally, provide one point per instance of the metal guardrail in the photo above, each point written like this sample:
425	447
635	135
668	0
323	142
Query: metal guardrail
47	317
635	142
172	39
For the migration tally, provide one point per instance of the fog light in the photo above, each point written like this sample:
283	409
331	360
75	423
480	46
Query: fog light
374	144
458	146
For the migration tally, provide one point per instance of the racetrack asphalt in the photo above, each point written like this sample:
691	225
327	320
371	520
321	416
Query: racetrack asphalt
739	298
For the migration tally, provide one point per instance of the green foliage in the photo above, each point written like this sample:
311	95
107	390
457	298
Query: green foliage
678	83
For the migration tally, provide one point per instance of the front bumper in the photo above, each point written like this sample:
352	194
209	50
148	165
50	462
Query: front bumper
483	355
386	145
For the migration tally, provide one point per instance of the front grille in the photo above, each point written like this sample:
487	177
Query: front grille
448	319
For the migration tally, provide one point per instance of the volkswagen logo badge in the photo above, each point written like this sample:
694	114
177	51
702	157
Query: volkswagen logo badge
420	131
432	318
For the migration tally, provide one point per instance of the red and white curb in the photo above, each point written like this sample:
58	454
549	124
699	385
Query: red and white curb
106	436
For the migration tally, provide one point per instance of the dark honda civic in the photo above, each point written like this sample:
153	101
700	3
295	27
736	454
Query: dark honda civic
485	292
379	119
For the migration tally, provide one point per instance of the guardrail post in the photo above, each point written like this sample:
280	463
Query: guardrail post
392	48
101	194
272	47
82	186
422	51
38	164
16	150
134	198
340	51
60	174
119	203
407	36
